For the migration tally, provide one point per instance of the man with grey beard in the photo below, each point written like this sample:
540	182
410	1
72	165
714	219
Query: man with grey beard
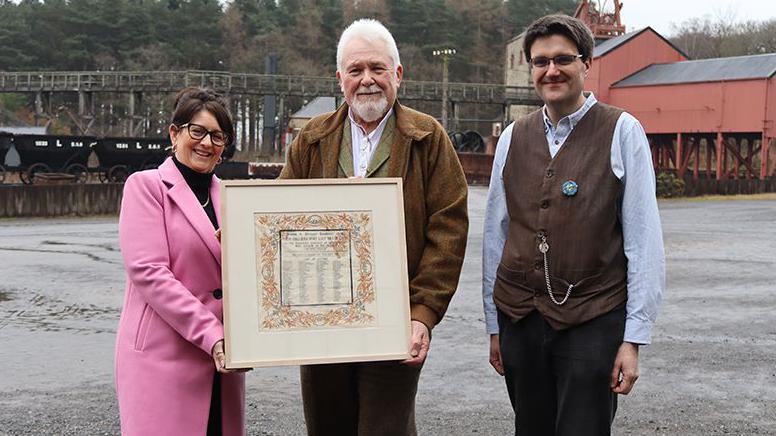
372	135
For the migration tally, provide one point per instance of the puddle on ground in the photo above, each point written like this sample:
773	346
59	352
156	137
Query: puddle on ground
105	246
51	314
83	253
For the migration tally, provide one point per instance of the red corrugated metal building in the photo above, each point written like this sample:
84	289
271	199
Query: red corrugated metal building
624	55
713	117
715	114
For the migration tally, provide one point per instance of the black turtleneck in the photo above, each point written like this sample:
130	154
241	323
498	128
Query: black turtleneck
200	186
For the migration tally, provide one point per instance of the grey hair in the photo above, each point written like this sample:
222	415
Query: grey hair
370	30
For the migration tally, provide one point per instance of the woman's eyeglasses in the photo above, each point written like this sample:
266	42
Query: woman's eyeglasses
197	132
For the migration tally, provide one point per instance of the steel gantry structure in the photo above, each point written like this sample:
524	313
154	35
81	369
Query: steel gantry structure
245	92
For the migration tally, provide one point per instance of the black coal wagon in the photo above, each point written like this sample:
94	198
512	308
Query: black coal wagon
119	157
32	154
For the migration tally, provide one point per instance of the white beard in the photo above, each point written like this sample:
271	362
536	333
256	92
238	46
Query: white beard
369	110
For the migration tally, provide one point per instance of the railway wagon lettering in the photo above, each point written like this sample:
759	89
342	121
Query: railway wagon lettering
111	159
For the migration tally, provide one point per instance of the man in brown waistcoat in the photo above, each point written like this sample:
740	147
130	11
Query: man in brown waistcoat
372	135
573	264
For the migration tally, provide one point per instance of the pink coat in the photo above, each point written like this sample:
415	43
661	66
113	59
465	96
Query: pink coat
171	318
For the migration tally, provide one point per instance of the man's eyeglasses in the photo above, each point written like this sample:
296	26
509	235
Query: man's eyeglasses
197	132
560	60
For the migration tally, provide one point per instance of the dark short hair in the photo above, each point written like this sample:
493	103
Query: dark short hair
558	24
191	100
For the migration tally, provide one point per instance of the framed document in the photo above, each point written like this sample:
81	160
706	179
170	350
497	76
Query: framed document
314	271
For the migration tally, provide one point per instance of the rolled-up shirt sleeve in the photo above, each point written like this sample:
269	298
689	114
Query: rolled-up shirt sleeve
495	230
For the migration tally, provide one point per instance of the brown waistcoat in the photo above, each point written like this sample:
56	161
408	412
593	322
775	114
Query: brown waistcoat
583	231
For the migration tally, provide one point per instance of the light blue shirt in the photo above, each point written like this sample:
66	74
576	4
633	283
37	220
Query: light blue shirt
631	162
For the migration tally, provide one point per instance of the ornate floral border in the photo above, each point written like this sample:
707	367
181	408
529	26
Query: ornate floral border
275	316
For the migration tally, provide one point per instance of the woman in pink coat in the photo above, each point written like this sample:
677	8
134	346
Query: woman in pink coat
170	375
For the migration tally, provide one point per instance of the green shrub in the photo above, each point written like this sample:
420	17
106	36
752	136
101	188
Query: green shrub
668	185
13	102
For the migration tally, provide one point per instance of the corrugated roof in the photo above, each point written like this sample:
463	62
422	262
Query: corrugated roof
318	106
705	70
610	44
607	46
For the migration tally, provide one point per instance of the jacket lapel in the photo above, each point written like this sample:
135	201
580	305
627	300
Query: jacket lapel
330	147
329	136
346	150
383	151
181	195
405	133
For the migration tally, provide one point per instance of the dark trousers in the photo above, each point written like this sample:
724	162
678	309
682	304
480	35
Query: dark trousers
360	399
558	380
214	418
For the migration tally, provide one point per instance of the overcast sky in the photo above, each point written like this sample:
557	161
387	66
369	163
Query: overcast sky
660	14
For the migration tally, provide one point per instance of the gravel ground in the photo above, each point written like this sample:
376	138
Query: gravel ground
711	369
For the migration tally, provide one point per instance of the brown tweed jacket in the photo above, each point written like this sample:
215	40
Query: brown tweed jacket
435	191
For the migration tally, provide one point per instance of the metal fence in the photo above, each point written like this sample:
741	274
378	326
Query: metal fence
248	84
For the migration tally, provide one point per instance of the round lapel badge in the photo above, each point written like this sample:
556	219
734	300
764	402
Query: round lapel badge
569	188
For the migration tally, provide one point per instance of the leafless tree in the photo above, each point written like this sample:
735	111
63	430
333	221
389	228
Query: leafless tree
723	35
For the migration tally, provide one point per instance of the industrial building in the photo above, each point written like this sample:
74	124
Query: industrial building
707	119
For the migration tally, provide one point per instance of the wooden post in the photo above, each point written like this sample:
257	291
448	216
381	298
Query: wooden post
235	109
750	155
679	164
720	156
42	105
764	156
709	152
725	155
244	126
131	114
445	61
281	124
256	124
248	110
697	163
736	161
83	102
39	104
456	116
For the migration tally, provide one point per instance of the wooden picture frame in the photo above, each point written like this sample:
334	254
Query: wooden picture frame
314	271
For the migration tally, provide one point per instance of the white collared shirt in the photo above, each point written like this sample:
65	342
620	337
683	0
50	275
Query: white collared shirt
631	162
364	144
